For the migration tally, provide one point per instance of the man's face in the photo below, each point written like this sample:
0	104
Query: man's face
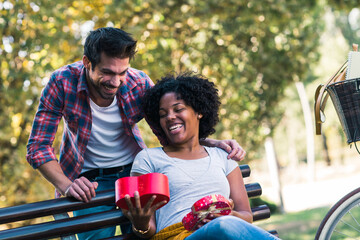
106	78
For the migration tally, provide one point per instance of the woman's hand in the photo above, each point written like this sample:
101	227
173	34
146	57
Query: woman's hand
140	217
206	220
212	216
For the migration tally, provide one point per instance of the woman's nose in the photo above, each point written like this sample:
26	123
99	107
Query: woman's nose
170	115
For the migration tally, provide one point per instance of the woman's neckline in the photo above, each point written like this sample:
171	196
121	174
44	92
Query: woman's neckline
189	155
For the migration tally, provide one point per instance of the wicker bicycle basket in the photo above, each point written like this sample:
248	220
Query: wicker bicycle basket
345	96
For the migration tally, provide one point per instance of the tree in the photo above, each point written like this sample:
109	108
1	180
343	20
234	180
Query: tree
252	50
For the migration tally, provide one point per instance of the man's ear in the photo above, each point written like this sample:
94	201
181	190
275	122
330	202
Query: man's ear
86	62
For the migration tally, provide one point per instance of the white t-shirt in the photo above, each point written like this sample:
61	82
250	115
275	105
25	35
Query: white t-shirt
108	145
189	180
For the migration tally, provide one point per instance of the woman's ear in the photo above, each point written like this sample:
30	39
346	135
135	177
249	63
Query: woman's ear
199	116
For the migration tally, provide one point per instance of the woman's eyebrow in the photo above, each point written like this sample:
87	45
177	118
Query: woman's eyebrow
171	105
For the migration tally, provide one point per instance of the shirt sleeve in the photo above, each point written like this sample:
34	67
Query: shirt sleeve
229	164
45	124
142	163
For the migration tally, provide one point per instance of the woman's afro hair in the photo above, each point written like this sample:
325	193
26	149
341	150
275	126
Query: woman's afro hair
195	90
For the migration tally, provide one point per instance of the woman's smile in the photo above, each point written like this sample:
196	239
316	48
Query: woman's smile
178	120
174	129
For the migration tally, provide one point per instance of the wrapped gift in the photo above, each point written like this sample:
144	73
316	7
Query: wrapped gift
214	203
147	185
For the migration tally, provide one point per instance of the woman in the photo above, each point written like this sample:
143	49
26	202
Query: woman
184	110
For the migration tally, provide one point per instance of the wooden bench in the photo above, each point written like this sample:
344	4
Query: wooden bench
69	226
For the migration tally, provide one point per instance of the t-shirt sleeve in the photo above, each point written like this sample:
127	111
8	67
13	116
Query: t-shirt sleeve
142	163
229	164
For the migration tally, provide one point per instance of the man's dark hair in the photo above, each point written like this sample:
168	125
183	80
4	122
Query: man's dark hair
196	91
114	42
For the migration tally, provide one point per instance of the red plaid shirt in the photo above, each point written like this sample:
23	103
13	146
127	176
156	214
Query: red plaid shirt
67	96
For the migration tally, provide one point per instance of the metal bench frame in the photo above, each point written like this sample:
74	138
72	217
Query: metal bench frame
66	226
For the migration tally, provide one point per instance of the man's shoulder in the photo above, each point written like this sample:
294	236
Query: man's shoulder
70	70
136	84
137	75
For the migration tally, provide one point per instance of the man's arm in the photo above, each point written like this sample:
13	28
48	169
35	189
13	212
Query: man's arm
40	153
236	152
81	189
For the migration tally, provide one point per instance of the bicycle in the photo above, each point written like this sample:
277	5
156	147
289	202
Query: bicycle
343	219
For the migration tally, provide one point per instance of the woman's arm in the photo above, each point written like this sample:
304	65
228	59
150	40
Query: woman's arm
239	196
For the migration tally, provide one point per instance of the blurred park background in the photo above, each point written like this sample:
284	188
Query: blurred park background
266	58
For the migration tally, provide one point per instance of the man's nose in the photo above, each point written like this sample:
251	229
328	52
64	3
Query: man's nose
117	80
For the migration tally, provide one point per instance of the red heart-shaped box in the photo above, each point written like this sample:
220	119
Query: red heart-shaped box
147	185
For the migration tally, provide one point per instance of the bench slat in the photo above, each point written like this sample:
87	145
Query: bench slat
70	226
79	224
52	207
253	190
60	205
245	170
65	227
260	212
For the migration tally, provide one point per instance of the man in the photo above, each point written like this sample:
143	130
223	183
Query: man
99	100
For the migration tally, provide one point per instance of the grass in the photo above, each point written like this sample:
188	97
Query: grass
301	225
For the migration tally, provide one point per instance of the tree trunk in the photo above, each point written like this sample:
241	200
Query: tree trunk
274	170
310	143
326	150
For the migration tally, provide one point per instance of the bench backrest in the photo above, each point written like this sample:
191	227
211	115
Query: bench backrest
73	225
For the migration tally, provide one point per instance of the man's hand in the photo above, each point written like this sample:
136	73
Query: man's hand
81	189
236	152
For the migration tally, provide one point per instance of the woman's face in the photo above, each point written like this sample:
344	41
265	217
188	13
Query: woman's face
179	121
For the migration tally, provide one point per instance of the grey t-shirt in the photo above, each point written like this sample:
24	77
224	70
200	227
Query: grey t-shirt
189	180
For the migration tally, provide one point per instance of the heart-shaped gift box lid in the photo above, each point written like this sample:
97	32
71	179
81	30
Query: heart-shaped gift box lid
147	185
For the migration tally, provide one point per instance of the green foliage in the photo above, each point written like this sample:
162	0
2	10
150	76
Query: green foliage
296	225
252	50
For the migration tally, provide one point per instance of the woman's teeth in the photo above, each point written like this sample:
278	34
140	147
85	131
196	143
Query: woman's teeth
175	127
